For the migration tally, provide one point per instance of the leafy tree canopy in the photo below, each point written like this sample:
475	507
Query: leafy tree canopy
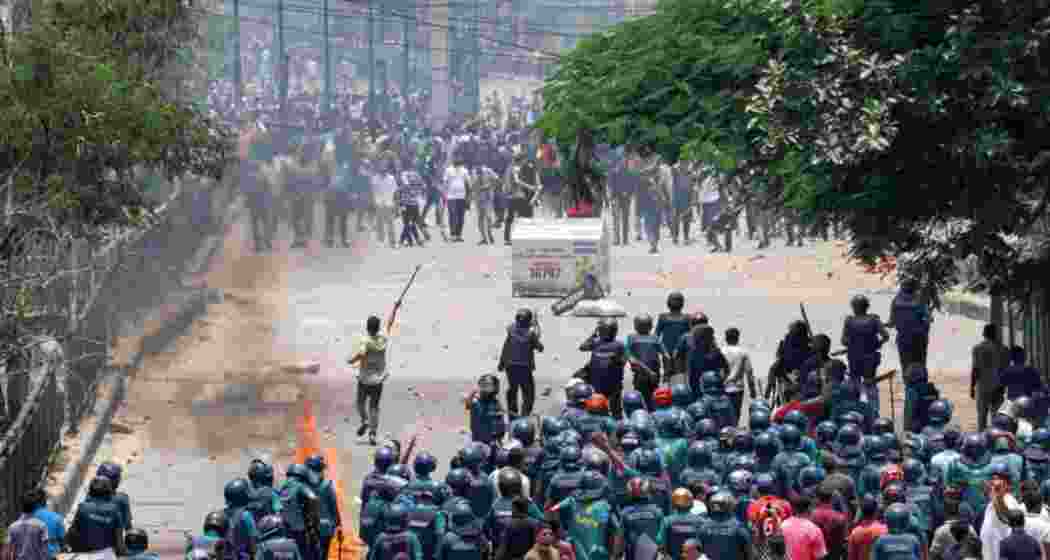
87	108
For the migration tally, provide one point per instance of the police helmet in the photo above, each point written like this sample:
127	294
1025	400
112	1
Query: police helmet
739	481
952	437
743	442
136	540
1040	438
721	502
488	385
707	428
462	514
826	432
580	393
593	485
670	426
974	446
524	431
882	426
632	401
523	317
238	492
681	395
111	471
570	458
458	480
400	471
898	517
765	484
939	412
1004	422
890	442
643	324
384	459
649	463
913	471
260	473
298	471
608	328
682	499
743	462
272	526
696	411
395	518
424	464
860	302
798	419
597	461
790	437
849	435
571	438
215	522
874	446
473	457
760	404
759	421
711	383
852	417
765	446
699	455
811	476
509	483
316	463
675	301
1024	406
638	489
551	426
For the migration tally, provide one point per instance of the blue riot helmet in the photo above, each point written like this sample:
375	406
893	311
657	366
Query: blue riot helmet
580	393
811	476
597	461
849	435
459	481
759	404
238	492
974	447
765	484
681	395
102	487
882	426
552	426
271	527
395	519
759	421
913	471
798	419
711	383
649	463
898	518
111	471
874	447
699	455
790	437
260	473
643	324
743	442
629	442
570	458
1040	438
826	432
952	437
592	487
939	412
424	464
462	514
765	447
739	481
851	417
384	458
400	471
743	463
524	431
473	458
671	426
645	431
571	438
707	429
632	401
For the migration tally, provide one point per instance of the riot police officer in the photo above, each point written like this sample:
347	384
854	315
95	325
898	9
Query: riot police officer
863	335
97	523
241	537
518	360
608	358
328	502
644	351
274	543
301	509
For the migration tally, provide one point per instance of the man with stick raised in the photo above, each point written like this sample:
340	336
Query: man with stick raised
371	358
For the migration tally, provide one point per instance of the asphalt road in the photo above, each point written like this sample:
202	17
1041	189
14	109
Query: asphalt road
449	332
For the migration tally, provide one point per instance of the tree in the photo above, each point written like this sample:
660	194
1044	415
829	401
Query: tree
928	122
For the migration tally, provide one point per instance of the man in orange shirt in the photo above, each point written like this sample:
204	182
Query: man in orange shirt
864	535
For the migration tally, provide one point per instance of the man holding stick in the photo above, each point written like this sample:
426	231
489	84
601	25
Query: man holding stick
371	359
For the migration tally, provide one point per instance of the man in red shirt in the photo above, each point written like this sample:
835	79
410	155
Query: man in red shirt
766	515
864	535
833	524
802	538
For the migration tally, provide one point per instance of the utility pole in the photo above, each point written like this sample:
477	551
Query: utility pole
326	96
238	84
371	66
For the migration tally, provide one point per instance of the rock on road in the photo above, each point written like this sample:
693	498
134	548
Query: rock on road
221	395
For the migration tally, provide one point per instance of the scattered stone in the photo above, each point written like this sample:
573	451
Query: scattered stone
118	428
546	392
309	368
462	431
445	346
346	419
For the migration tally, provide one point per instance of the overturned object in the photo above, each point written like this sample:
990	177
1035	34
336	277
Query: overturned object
598	308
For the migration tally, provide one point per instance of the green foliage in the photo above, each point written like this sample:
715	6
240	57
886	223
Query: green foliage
86	108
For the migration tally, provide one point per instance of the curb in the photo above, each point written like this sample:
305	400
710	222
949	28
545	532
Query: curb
193	304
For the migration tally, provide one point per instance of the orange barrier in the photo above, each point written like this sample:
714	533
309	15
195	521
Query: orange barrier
348	546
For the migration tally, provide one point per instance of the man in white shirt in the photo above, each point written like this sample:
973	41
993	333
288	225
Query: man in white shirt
995	528
711	207
457	184
384	187
740	369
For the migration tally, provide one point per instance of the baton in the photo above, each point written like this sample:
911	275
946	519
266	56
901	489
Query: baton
408	285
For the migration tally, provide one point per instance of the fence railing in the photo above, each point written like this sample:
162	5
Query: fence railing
29	442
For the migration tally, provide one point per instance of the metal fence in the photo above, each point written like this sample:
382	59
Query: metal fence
28	443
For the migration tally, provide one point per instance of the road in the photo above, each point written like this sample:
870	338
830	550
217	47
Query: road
220	397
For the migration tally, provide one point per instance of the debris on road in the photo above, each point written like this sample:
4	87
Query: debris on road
308	368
